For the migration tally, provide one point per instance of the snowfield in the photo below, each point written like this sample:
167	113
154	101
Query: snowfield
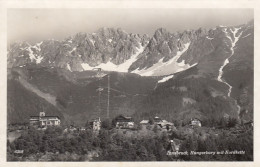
165	79
68	66
233	44
166	68
32	56
109	66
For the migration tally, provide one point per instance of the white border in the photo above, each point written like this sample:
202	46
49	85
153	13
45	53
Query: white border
5	4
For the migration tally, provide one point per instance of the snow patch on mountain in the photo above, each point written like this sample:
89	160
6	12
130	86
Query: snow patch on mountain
73	49
39	59
165	79
246	35
68	66
86	66
109	66
38	46
209	38
92	41
33	56
233	44
164	68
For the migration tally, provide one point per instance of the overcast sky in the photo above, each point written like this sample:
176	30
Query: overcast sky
34	25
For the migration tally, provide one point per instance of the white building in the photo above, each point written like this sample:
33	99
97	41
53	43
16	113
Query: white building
95	124
43	120
195	122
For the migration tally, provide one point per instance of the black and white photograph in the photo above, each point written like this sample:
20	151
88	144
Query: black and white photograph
130	84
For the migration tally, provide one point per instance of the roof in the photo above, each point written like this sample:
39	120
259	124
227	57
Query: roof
38	117
164	122
194	119
34	117
94	120
123	117
144	122
157	119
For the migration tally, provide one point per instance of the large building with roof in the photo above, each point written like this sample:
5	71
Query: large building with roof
43	120
124	122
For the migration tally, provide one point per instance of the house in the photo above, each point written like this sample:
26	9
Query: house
195	122
82	129
124	122
157	119
165	125
144	122
43	120
95	124
72	128
161	123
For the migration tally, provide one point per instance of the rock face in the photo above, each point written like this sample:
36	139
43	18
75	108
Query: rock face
83	51
166	45
111	49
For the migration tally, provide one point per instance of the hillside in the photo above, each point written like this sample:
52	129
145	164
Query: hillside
76	98
185	96
22	104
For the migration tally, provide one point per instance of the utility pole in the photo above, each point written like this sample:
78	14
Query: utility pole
99	93
108	92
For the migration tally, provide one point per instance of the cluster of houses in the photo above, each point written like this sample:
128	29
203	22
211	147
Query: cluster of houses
128	123
160	122
121	121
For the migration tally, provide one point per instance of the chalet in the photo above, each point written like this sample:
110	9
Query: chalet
42	120
165	125
144	122
82	129
72	128
195	122
157	119
124	122
95	124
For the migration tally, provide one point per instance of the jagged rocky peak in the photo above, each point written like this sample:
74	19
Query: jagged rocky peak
91	49
161	33
110	47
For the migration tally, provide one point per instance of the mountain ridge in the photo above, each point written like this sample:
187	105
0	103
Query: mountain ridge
111	47
174	75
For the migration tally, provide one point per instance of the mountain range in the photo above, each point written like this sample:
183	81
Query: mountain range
204	73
